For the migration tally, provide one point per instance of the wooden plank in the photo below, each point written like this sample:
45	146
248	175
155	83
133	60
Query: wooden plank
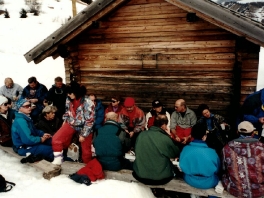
136	2
177	185
140	17
148	8
149	51
93	35
158	57
182	45
157	28
149	74
49	170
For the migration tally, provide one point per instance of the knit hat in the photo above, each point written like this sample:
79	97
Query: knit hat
20	103
246	127
156	103
129	102
201	108
3	100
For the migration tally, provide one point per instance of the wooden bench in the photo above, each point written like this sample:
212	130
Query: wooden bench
50	170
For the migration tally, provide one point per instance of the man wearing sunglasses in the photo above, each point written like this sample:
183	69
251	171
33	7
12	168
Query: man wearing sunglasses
6	118
26	138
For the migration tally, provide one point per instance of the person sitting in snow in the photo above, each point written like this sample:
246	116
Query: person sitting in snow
26	138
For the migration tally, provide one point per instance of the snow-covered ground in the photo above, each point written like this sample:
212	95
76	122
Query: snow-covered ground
17	36
31	184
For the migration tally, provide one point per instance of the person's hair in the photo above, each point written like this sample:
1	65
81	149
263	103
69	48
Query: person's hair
32	80
8	79
92	94
244	133
77	89
201	108
198	131
58	79
183	103
49	109
160	120
9	101
111	116
118	98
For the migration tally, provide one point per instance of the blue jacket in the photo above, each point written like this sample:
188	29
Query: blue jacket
24	132
41	92
251	109
200	165
108	146
99	114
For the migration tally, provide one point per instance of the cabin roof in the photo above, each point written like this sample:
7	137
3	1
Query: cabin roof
204	9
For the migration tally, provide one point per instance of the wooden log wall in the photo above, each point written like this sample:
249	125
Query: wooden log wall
147	50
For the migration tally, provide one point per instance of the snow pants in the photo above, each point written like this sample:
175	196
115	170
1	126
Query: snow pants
44	149
62	140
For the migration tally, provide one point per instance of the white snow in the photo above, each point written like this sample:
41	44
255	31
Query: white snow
18	36
30	184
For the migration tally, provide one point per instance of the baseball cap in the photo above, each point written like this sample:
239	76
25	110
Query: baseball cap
246	127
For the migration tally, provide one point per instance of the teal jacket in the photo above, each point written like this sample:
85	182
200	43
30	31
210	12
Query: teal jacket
24	133
154	148
108	146
200	165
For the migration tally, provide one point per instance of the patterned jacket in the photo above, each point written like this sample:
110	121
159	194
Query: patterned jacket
138	119
243	161
83	119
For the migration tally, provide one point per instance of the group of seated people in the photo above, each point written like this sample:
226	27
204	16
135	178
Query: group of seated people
40	122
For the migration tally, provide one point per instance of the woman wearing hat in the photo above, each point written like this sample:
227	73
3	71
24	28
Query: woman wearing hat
216	128
157	109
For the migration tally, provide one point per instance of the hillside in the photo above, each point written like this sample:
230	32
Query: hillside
253	10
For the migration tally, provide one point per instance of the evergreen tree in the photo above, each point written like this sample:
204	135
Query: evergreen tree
23	13
6	14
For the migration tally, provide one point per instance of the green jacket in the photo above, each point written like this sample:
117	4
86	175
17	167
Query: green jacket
154	148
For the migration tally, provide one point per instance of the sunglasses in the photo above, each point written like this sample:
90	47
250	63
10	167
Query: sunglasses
5	104
113	101
27	106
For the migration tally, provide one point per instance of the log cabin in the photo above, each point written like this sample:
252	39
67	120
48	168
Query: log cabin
160	49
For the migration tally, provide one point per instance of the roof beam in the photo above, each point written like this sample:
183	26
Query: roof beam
71	29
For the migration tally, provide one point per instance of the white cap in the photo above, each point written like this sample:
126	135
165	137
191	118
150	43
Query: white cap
246	127
3	100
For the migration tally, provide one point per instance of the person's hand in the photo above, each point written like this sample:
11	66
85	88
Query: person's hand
90	124
81	139
43	139
261	120
47	135
45	103
177	139
185	139
131	134
34	100
15	98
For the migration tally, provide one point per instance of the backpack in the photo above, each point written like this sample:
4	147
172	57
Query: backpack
4	187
